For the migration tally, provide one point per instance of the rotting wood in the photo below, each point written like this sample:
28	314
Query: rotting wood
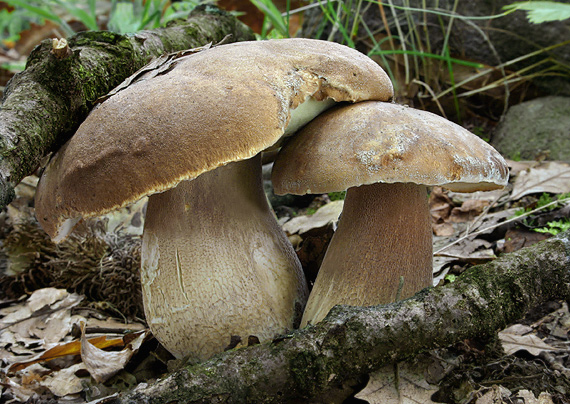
43	105
318	363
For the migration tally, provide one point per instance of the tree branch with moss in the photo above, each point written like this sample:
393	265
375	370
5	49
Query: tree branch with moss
43	105
321	363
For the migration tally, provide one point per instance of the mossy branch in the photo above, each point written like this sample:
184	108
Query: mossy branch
43	105
322	361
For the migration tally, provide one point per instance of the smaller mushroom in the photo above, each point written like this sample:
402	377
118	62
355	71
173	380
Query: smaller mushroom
385	155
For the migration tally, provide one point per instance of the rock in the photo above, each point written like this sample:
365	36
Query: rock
533	127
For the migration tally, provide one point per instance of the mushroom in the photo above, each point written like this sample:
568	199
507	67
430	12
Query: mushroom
216	268
384	155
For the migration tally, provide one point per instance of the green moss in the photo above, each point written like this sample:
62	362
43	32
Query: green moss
308	371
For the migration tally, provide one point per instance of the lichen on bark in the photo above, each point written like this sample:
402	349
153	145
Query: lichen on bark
43	105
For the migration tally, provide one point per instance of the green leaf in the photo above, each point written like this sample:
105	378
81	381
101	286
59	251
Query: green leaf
273	14
541	11
89	20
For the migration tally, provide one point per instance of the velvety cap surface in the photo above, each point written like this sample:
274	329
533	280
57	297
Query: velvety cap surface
371	142
220	105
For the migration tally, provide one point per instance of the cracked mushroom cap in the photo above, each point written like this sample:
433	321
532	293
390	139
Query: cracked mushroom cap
372	142
206	110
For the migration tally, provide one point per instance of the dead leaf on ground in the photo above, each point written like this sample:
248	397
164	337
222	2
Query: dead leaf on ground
529	398
38	355
515	339
552	177
468	210
516	238
496	394
324	216
101	364
405	384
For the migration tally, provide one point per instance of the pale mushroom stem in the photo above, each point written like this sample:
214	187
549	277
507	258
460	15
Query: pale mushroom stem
381	251
216	267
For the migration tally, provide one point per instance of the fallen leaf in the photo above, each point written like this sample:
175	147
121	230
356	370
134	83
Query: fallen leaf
102	365
529	398
64	349
516	339
552	177
515	239
405	384
327	214
65	381
468	210
496	394
440	205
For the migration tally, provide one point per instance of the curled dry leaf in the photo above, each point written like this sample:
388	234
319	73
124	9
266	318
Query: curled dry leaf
64	349
102	365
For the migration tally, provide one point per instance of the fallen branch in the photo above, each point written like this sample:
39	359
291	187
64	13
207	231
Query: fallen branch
324	360
43	106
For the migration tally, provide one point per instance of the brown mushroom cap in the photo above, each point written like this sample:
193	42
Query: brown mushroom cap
372	142
220	105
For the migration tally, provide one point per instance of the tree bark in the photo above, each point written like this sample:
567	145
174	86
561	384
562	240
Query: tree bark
43	105
322	360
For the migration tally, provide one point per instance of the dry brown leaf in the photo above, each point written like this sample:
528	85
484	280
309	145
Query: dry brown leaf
552	177
406	385
102	365
515	239
64	349
327	214
468	210
41	302
440	205
515	339
496	394
529	397
445	229
65	382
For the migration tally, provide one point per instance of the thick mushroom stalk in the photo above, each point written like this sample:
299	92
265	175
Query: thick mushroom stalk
216	265
381	250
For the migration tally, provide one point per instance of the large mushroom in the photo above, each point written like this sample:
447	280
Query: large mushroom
384	155
216	268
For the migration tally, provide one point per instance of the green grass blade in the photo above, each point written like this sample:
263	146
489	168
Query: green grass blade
273	14
427	55
43	13
89	20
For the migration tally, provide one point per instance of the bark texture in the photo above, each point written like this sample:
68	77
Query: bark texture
43	106
319	361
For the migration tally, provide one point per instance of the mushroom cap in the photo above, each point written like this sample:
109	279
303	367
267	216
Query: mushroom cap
208	109
372	142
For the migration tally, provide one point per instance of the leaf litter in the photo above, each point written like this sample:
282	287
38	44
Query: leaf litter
40	355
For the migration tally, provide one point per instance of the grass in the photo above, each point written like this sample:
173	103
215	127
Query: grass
403	47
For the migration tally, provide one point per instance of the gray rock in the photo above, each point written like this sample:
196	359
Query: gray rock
532	127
